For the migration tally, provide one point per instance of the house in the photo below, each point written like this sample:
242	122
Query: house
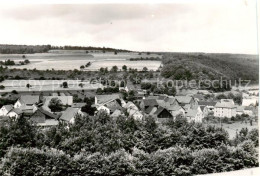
195	115
116	113
44	118
249	102
187	101
136	114
207	107
113	105
199	97
28	103
103	108
225	108
108	103
162	114
68	116
240	110
176	110
16	113
148	103
249	110
5	110
130	105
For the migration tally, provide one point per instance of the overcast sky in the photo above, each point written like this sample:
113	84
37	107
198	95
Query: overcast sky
200	27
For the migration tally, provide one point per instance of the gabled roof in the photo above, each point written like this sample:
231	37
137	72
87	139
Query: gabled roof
170	99
112	106
225	103
8	107
184	99
162	97
69	114
198	96
150	102
159	110
116	113
149	109
207	103
202	107
133	112
30	99
17	111
102	99
174	107
47	113
191	112
130	105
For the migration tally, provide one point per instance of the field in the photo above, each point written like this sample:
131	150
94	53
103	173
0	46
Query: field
47	85
235	127
73	59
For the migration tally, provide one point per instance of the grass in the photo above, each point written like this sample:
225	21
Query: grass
235	127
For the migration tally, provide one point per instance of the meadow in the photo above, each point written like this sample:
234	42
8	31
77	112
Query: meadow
73	59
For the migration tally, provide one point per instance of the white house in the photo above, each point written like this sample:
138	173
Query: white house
225	108
16	112
136	114
5	110
130	105
207	107
195	115
27	103
250	101
103	108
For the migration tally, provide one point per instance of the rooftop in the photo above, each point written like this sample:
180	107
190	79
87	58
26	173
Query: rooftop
102	99
69	113
30	99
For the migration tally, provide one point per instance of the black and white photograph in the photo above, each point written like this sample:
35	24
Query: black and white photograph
135	88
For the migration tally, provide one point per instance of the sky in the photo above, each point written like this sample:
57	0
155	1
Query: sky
169	27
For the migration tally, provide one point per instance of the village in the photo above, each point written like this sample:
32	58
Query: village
47	110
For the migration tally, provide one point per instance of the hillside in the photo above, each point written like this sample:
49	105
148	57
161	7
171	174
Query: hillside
210	66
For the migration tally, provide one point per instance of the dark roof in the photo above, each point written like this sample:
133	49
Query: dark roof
159	110
202	107
150	102
47	113
183	99
207	103
149	109
17	111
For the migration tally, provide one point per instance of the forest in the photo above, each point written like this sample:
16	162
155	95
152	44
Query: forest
24	49
210	66
101	145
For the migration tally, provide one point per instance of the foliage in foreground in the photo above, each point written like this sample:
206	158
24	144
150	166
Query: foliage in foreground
101	145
